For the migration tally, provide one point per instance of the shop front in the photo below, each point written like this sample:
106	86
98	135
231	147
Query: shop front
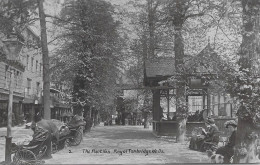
17	116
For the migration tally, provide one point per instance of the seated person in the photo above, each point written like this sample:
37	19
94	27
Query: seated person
228	150
174	117
210	135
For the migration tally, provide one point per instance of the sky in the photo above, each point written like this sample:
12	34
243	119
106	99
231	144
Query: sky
53	7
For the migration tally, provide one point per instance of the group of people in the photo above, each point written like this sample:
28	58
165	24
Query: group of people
209	139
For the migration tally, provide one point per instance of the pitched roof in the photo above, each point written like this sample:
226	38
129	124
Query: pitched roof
207	61
204	62
160	66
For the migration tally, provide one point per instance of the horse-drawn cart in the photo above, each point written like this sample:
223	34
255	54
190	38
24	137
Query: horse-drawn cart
33	152
69	134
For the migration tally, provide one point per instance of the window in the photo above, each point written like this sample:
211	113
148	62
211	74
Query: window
37	88
40	68
16	78
29	85
32	63
6	75
27	62
36	66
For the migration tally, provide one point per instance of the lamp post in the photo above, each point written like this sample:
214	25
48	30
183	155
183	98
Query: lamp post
13	47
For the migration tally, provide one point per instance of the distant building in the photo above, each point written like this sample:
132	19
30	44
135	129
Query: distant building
27	77
28	82
61	108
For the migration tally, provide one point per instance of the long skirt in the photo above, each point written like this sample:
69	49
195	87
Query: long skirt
196	143
227	152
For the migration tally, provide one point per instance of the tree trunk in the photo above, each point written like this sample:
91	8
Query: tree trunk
246	136
179	55
45	61
96	118
146	123
246	142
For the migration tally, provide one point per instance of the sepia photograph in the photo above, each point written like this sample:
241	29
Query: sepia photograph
129	82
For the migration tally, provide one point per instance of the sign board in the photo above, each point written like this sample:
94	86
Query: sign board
195	83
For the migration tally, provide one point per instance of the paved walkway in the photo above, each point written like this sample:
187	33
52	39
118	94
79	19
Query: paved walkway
118	145
121	144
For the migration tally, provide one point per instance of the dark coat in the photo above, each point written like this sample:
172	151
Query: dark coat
228	150
212	134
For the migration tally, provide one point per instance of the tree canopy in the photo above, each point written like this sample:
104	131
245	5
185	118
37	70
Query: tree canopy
89	54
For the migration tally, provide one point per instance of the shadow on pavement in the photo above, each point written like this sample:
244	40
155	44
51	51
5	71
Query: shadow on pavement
127	132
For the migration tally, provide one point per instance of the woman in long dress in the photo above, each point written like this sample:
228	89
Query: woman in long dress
211	135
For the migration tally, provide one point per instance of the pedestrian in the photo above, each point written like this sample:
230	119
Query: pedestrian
228	150
209	136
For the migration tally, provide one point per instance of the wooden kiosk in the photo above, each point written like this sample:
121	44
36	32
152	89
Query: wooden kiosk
197	88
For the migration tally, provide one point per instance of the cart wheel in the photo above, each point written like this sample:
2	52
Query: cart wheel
23	157
81	129
76	139
42	152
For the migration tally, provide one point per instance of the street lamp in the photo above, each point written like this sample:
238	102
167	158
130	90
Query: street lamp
13	47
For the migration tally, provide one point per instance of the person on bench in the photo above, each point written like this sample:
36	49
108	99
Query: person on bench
228	150
209	137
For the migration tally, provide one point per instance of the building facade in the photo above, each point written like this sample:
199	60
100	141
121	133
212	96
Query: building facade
27	83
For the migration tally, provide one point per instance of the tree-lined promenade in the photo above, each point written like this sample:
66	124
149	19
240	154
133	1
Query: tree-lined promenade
99	44
120	145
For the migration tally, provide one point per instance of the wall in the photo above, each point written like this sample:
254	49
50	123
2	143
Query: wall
32	60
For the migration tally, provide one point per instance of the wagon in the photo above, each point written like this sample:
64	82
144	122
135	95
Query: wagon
34	151
69	134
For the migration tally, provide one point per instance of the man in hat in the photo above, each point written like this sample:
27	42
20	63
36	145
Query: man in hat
208	136
228	150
